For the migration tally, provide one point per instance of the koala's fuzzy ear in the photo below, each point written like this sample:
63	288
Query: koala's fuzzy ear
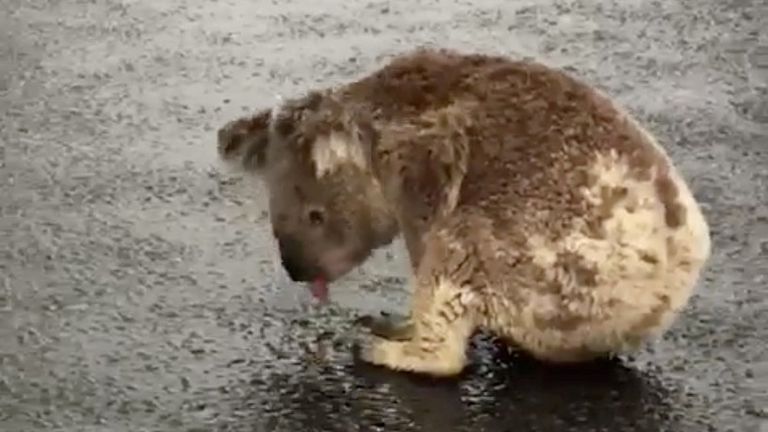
244	142
366	134
348	137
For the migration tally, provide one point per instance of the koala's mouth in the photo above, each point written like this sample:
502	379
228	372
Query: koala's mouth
331	265
338	263
319	286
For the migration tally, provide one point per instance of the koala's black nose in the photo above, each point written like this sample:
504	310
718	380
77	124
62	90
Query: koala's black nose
291	255
296	271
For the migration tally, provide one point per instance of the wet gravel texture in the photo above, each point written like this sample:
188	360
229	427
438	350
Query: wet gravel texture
139	289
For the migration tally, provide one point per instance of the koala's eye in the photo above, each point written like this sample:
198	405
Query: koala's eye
316	217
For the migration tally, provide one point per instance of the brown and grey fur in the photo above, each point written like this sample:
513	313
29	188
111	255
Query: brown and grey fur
531	206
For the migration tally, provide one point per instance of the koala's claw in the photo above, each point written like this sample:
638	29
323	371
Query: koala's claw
388	326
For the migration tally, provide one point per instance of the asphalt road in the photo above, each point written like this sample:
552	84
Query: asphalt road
138	285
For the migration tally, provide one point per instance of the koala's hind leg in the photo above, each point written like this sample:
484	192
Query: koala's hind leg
442	321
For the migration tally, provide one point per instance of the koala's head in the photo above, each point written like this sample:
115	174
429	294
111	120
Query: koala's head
326	207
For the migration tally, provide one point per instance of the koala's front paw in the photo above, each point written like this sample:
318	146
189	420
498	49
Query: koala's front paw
388	326
362	348
408	356
377	351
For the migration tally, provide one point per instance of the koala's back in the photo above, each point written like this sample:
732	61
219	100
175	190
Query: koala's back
583	224
538	137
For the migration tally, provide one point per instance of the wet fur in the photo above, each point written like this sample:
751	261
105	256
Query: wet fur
531	204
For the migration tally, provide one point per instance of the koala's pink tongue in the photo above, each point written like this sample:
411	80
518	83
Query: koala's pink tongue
319	289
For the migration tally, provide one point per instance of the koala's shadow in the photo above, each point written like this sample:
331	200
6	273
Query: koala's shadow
504	390
501	390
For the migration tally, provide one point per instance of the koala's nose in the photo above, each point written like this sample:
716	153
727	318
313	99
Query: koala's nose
296	271
293	265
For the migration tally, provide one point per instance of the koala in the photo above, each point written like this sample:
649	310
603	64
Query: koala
531	204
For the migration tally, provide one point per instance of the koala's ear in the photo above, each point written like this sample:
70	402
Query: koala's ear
366	134
341	134
244	142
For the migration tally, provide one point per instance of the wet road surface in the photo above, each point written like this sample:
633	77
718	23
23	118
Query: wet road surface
138	285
